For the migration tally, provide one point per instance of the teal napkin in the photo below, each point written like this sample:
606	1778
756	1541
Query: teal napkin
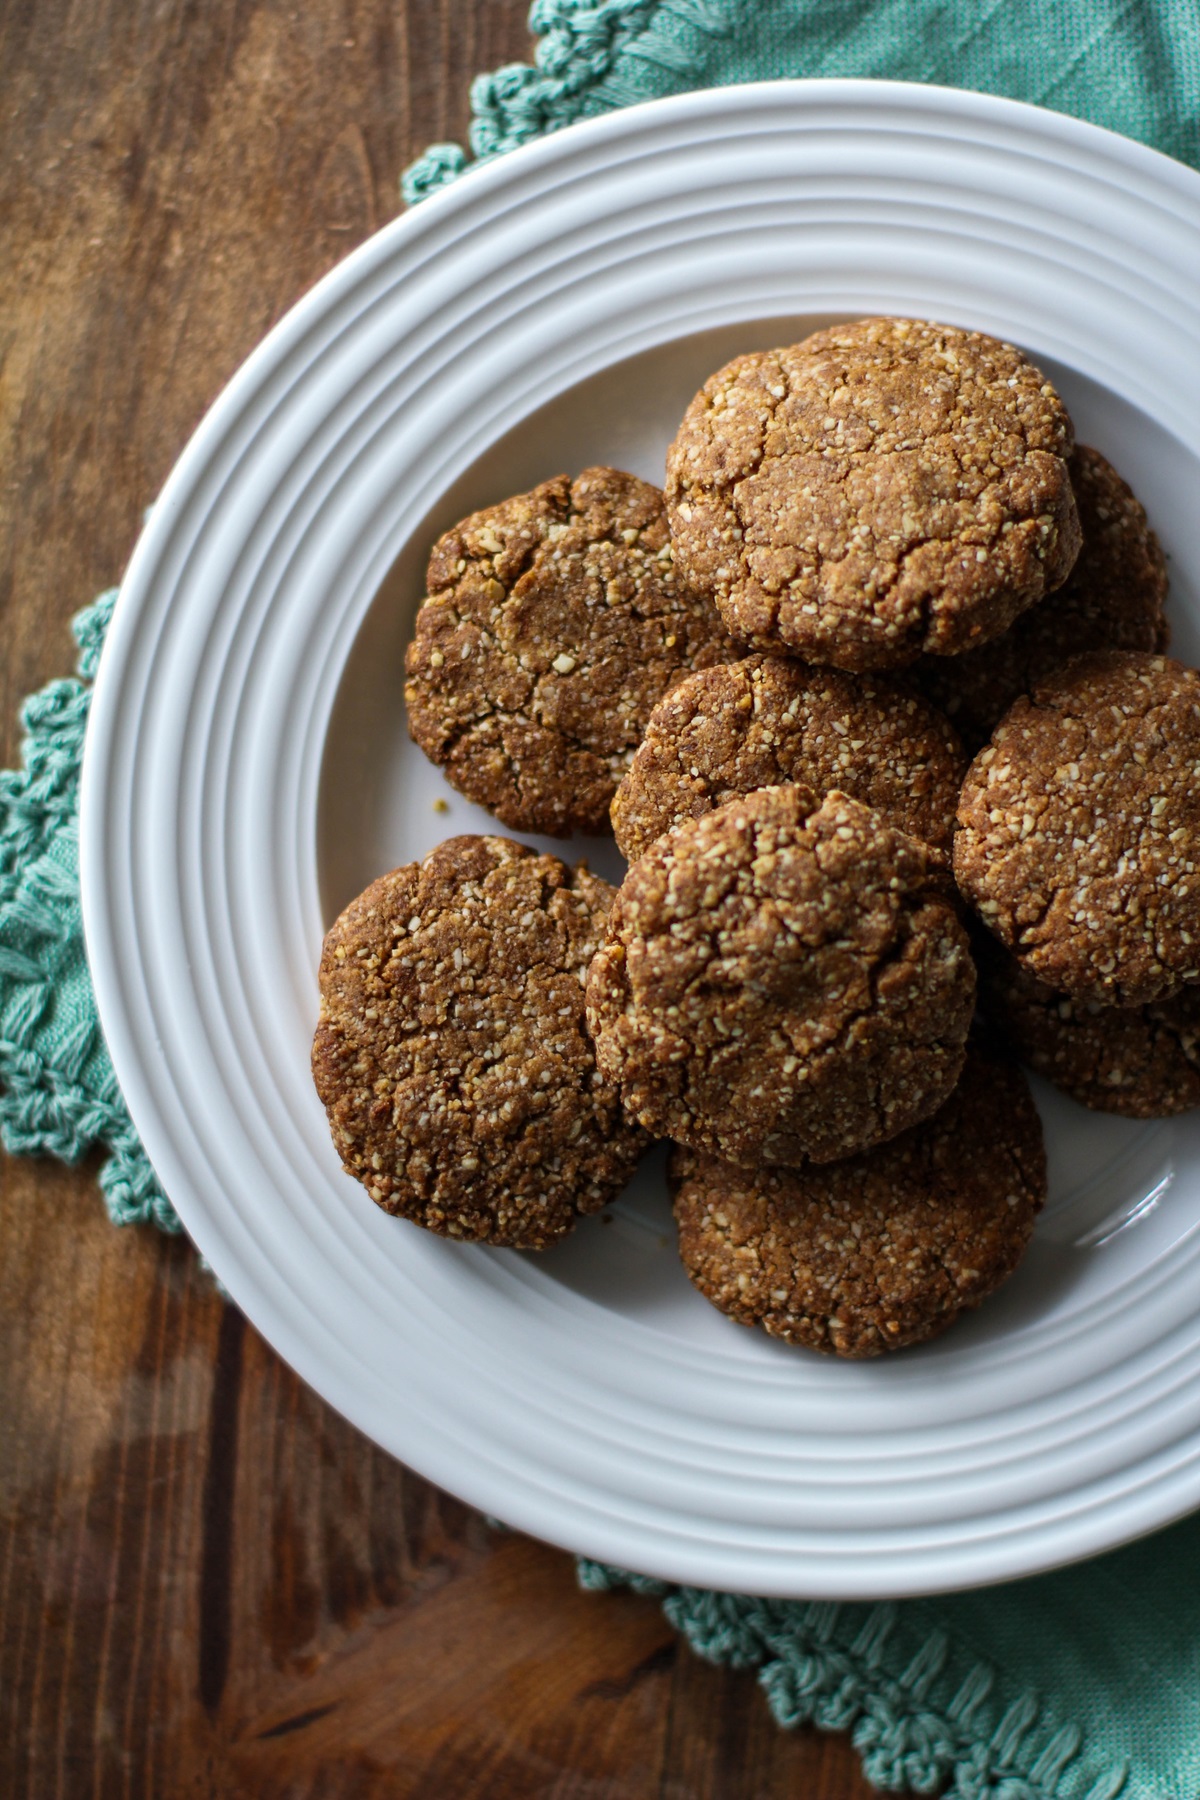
1076	1686
1131	65
58	1092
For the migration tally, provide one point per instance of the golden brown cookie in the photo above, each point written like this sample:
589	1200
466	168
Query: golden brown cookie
881	489
1140	1061
1079	829
884	1249
770	720
782	979
451	1053
554	624
1113	599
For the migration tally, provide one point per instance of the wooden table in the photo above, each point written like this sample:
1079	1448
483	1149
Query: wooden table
212	1585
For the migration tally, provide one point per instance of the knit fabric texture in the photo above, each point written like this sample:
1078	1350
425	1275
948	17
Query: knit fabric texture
1131	65
58	1092
1082	1685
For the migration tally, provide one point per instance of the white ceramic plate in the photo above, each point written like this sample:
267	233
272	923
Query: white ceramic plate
247	771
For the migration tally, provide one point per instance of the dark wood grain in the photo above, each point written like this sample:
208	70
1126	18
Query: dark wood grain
210	1584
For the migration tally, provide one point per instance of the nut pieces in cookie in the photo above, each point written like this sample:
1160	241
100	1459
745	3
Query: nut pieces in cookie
553	625
1113	599
451	1053
1079	830
783	979
769	720
884	1249
881	489
1142	1062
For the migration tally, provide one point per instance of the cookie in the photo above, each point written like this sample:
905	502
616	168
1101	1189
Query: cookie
881	1250
881	489
451	1053
1113	599
554	624
782	979
1140	1061
1079	829
769	720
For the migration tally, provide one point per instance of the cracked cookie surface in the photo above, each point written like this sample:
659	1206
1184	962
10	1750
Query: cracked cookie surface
1113	599
451	1053
881	1250
783	979
881	489
554	622
770	720
1140	1061
1079	829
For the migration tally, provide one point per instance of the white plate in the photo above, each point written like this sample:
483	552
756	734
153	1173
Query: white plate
247	771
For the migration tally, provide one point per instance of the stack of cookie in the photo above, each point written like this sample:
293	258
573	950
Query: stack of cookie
785	983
